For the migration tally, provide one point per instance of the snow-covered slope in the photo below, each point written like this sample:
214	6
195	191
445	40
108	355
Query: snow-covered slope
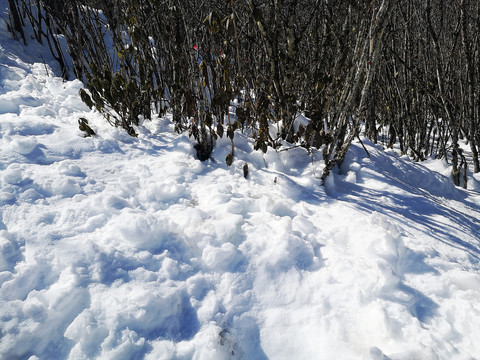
113	247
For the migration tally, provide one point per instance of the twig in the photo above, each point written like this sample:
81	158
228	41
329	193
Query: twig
45	64
364	148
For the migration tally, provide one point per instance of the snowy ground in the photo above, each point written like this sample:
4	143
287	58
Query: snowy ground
119	248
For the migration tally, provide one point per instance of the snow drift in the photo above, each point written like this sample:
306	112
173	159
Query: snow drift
115	247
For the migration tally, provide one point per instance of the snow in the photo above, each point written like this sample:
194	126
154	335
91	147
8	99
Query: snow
114	247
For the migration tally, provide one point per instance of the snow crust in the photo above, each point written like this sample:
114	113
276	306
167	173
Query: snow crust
119	248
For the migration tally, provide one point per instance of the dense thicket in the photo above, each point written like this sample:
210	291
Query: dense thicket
407	70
